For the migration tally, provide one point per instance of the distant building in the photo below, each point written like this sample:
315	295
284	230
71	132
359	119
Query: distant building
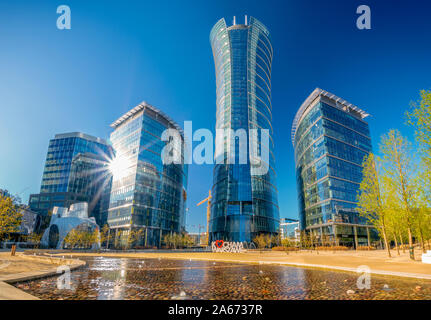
289	228
199	239
76	170
146	193
28	222
331	139
27	226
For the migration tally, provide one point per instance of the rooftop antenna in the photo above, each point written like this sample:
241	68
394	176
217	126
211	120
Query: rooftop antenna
245	19
234	20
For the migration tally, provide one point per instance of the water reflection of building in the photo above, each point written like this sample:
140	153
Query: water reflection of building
289	228
120	284
75	171
146	193
331	139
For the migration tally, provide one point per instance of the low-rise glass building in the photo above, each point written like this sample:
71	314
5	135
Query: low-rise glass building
146	194
331	139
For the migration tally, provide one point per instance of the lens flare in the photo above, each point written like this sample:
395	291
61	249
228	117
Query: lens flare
119	167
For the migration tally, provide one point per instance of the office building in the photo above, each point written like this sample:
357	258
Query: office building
244	202
146	194
331	139
289	229
76	170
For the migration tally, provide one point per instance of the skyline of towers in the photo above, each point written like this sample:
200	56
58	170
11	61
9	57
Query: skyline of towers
244	203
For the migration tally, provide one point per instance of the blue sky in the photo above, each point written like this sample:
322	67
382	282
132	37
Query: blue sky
119	53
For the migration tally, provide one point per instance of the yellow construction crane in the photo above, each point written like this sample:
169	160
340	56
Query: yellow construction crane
208	200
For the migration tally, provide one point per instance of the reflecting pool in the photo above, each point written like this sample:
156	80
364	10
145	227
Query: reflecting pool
127	278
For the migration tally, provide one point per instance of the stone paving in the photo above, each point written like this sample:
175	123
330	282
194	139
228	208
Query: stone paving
22	268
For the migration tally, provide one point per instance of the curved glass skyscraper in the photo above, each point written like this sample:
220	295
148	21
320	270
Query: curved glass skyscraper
244	202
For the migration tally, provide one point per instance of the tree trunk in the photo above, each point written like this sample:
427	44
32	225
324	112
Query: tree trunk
396	244
411	248
402	244
422	240
386	240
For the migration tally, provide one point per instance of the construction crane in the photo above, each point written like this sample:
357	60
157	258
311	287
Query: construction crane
208	200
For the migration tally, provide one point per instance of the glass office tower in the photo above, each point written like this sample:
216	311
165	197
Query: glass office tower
146	194
61	152
244	203
90	175
331	139
73	156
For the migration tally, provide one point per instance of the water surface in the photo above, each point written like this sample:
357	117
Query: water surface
128	278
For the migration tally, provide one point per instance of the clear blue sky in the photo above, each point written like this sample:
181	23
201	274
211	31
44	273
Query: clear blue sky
119	53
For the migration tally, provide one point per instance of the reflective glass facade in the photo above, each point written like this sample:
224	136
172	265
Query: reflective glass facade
330	139
289	229
244	203
61	151
76	170
90	175
146	194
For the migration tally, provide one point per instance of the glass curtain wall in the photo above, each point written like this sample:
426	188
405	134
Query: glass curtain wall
244	203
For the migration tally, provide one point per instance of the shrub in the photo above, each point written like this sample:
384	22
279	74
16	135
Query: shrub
365	248
279	248
338	248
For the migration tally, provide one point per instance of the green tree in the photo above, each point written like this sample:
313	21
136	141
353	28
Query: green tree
15	199
10	215
288	243
420	118
186	240
399	176
81	237
95	237
35	238
262	241
72	239
176	240
371	200
167	240
105	236
134	236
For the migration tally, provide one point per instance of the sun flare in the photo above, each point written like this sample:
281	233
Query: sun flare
119	167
